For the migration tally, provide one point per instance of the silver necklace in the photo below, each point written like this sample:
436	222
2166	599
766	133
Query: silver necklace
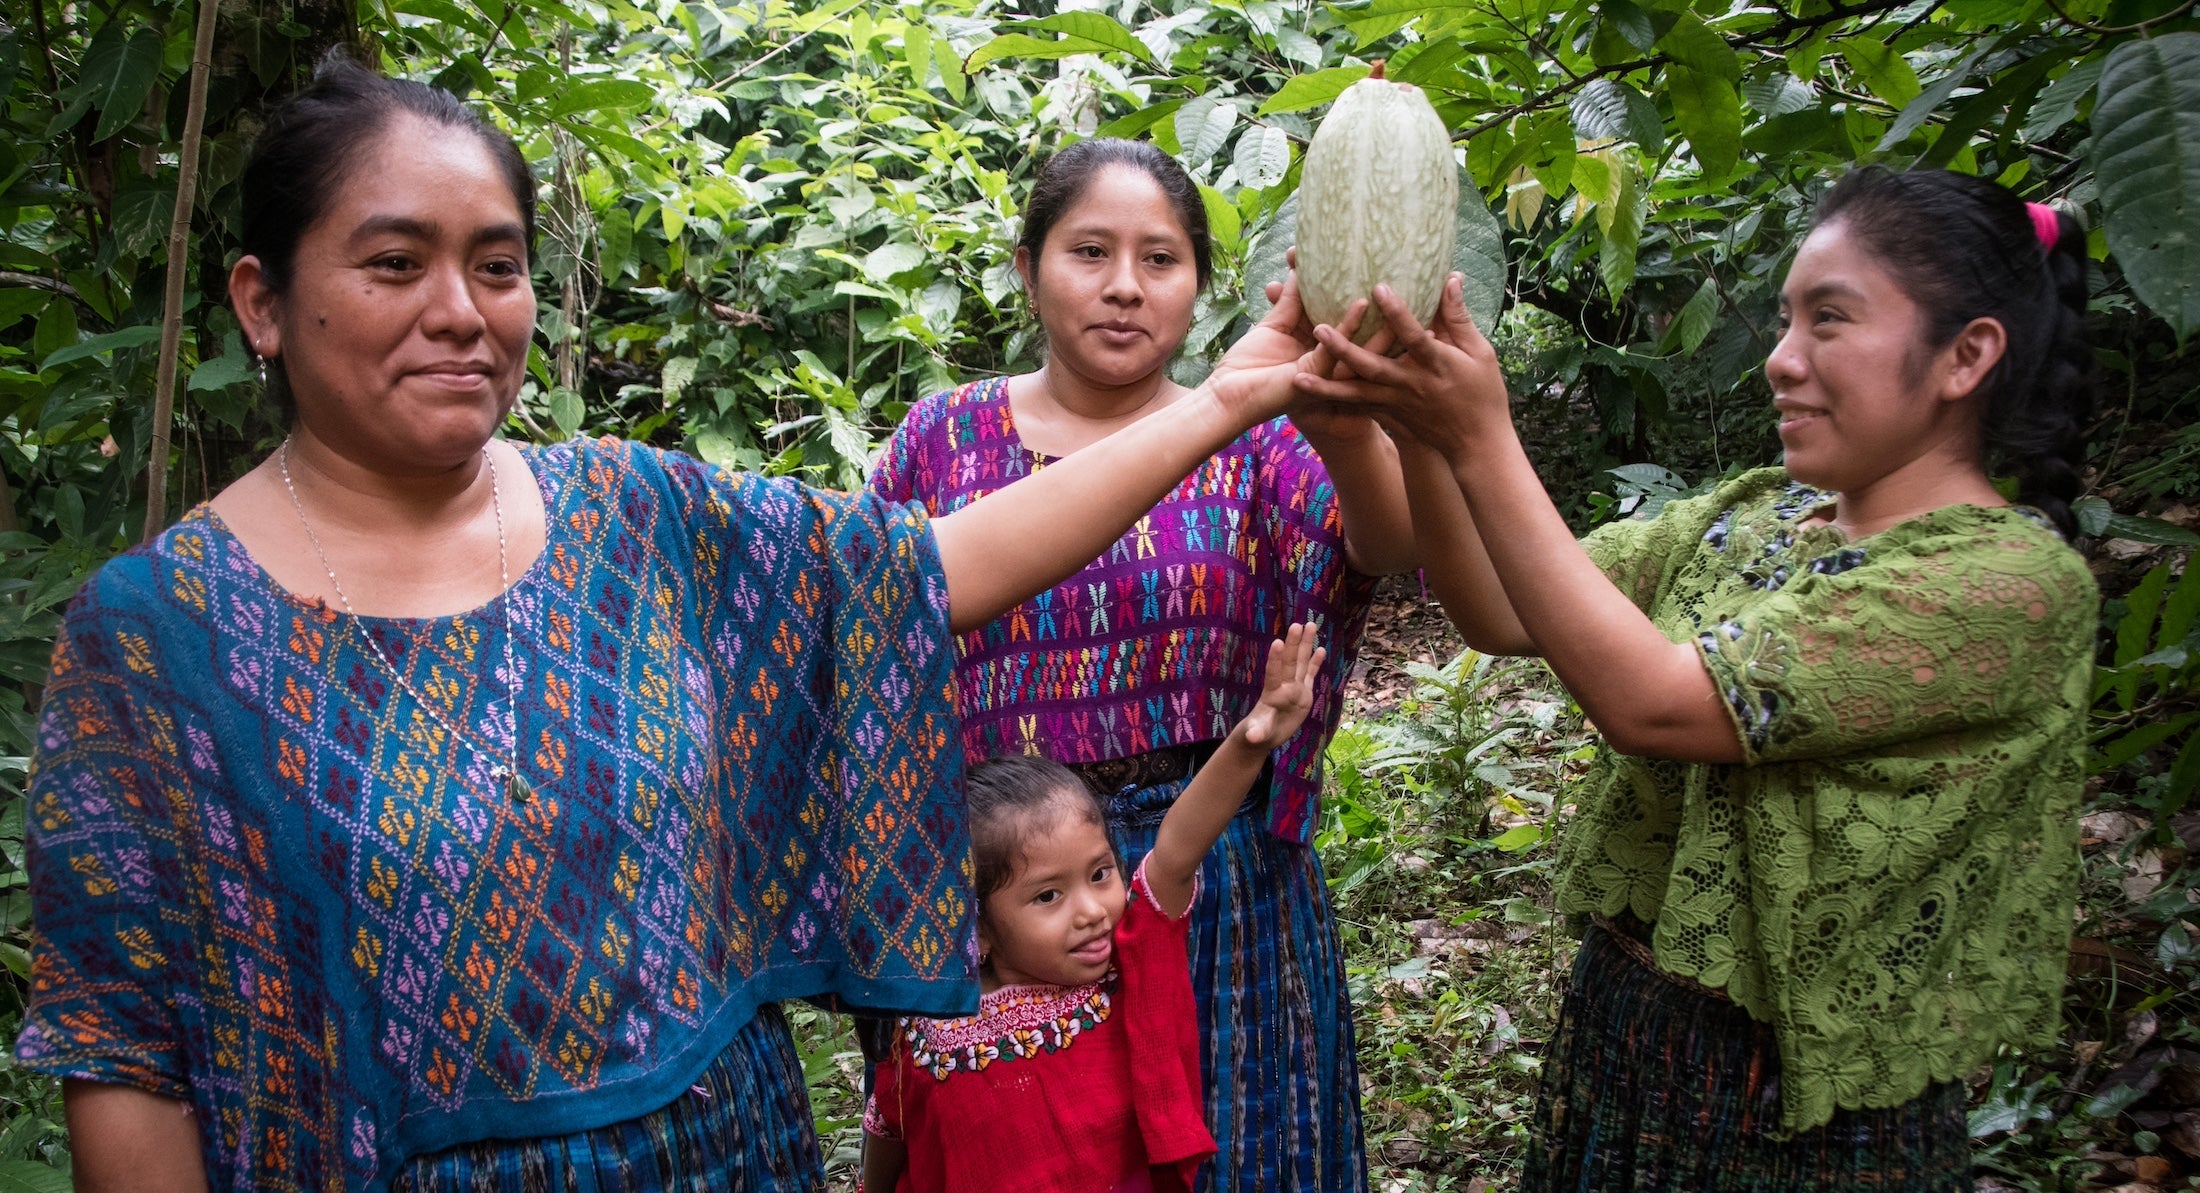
516	786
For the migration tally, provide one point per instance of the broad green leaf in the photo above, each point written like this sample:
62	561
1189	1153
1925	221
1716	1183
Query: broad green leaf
1928	101
2058	104
597	95
1616	259
233	367
2146	154
1709	115
1600	111
1694	321
1778	95
916	53
141	219
1223	222
30	1176
1883	70
1312	90
1298	47
1088	26
1478	254
1263	156
17	303
1644	126
615	243
2133	528
1694	45
1023	45
1630	22
118	74
567	409
1264	258
1141	119
891	258
1202	125
128	337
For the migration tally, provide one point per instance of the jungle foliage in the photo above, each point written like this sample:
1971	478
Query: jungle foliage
768	227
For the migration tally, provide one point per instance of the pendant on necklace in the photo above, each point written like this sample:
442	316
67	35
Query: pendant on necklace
516	787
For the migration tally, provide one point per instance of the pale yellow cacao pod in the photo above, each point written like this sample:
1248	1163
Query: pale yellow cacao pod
1378	202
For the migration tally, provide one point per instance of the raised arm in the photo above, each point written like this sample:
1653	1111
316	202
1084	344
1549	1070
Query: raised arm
1647	694
1008	545
1197	818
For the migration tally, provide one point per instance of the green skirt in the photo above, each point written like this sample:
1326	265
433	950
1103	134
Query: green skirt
1651	1085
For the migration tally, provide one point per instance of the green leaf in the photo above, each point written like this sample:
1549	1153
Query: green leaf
1202	125
2058	104
1478	253
128	337
1312	90
1517	838
1692	44
1928	101
1023	45
15	304
1709	114
566	411
118	74
1264	258
233	367
2146	154
30	1176
1263	156
1600	111
598	95
615	243
1883	70
1138	121
1616	260
1223	221
916	53
141	219
1693	323
2136	529
1630	22
893	257
1094	27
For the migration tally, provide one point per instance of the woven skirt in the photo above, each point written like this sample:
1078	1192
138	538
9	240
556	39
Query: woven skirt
1275	1022
1650	1085
743	1127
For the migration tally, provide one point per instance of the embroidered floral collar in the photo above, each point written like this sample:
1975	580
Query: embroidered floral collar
1012	1023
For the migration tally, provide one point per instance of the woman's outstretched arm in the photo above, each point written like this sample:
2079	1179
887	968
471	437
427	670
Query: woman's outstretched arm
1647	694
1006	546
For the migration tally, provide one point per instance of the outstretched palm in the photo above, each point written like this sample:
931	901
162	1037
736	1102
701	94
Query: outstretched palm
1286	687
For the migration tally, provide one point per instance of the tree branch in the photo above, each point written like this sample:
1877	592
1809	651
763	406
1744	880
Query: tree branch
9	277
179	240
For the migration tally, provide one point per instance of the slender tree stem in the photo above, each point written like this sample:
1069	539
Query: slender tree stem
179	240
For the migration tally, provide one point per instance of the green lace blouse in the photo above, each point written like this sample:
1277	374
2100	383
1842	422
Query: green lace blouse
1889	879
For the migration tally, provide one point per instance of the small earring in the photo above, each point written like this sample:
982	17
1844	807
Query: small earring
263	369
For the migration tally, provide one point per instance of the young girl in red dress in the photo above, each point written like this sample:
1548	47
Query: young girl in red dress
1080	1071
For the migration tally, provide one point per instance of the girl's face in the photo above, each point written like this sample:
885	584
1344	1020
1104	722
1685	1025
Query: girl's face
404	329
1860	393
1054	922
1115	280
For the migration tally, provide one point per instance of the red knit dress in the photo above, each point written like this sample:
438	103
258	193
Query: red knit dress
1057	1089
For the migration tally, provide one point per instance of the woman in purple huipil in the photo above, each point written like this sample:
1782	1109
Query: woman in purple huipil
1131	670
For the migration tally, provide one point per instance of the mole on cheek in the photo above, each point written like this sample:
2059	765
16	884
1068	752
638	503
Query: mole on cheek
324	320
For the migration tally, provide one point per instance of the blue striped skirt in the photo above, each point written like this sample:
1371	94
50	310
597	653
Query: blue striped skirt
1275	1021
744	1127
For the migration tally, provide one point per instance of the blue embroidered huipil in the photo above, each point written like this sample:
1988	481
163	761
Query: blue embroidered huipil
266	881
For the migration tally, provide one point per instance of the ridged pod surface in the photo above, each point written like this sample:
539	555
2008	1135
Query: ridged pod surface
1378	202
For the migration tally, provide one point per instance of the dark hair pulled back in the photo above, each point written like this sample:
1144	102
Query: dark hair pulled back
1065	177
1964	248
1012	795
312	145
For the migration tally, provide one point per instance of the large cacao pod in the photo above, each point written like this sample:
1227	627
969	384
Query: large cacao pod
1378	202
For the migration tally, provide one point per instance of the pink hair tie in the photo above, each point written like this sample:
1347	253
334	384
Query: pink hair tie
2046	225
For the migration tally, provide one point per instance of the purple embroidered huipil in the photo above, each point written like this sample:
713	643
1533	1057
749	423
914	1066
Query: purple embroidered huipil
1160	641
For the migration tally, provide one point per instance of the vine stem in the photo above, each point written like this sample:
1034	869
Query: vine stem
179	238
2141	27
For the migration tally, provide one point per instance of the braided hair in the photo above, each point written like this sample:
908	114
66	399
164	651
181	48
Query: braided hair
1963	248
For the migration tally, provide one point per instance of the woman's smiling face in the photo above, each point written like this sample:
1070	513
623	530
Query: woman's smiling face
403	331
1853	379
1115	281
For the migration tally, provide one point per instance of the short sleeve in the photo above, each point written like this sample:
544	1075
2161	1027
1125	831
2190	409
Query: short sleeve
1638	555
833	609
103	865
882	1111
1298	514
903	470
1979	629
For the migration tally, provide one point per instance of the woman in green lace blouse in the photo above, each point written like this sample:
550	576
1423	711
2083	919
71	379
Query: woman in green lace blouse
1827	857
